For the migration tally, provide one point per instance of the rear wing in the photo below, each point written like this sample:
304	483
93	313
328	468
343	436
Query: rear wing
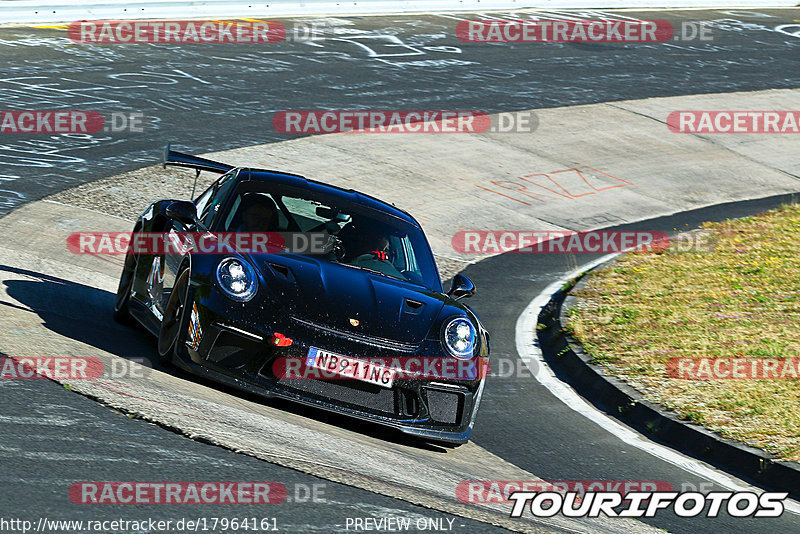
179	159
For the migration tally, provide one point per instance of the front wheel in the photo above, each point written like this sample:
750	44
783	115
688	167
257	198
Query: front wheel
170	333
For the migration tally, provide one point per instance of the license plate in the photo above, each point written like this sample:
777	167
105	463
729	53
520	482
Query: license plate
347	367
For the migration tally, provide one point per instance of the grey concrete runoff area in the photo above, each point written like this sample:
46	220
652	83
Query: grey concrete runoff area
587	166
601	157
49	293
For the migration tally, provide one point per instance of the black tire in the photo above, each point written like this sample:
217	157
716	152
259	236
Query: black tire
122	312
172	324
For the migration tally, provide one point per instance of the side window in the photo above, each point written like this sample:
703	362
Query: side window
202	201
216	198
232	212
399	253
410	258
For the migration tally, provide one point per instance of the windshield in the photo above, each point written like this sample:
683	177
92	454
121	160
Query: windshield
356	236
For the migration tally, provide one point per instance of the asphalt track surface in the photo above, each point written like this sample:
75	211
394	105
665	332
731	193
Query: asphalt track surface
213	97
223	96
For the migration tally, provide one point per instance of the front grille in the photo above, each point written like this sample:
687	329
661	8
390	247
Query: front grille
233	350
361	338
356	393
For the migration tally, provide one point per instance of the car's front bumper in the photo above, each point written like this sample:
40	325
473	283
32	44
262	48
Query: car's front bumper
239	354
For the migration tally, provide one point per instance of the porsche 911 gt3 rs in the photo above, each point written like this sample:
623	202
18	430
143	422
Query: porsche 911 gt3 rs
325	327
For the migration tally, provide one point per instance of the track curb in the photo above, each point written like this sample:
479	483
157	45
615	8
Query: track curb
571	363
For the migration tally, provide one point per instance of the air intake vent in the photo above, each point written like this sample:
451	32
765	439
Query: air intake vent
360	338
443	406
412	307
281	270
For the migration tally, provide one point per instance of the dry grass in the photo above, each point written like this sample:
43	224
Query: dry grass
740	299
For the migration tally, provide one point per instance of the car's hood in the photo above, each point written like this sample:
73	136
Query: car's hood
352	300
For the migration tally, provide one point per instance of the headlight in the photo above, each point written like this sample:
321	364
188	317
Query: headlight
459	338
237	279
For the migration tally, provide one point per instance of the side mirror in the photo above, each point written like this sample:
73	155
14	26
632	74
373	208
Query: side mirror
184	212
462	287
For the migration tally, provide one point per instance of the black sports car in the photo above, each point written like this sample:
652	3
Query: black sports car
359	325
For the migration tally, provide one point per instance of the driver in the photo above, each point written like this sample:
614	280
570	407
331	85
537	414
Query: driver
258	214
381	251
377	257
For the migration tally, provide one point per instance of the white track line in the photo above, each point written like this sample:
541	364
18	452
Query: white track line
529	352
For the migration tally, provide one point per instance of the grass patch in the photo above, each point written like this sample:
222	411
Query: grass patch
739	298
